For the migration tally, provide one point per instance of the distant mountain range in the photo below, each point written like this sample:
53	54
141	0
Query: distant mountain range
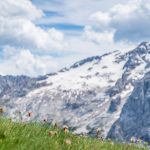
110	92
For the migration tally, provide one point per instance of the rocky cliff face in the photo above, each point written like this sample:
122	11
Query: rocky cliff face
135	116
110	92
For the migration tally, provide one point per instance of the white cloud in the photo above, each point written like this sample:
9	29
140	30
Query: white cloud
98	37
23	33
25	45
100	19
18	29
130	22
24	62
19	8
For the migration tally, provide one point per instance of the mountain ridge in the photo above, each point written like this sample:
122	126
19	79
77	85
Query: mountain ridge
96	92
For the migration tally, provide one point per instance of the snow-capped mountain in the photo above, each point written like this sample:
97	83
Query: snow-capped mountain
110	92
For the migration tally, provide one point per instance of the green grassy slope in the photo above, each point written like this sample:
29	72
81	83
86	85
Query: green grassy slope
21	136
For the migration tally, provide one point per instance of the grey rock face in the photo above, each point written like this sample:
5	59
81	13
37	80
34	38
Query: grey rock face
135	116
12	87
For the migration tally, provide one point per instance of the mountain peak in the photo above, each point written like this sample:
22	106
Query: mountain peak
144	45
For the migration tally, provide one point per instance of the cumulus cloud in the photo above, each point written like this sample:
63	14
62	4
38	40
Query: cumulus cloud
22	61
129	22
25	45
23	33
18	29
98	37
100	19
19	8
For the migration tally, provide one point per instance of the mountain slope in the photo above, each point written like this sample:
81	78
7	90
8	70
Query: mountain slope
96	92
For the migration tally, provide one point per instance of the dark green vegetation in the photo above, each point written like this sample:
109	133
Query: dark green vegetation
22	136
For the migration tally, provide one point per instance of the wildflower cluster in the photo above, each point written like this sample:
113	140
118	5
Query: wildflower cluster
139	142
1	111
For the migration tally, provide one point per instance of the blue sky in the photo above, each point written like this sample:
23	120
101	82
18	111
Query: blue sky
41	36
